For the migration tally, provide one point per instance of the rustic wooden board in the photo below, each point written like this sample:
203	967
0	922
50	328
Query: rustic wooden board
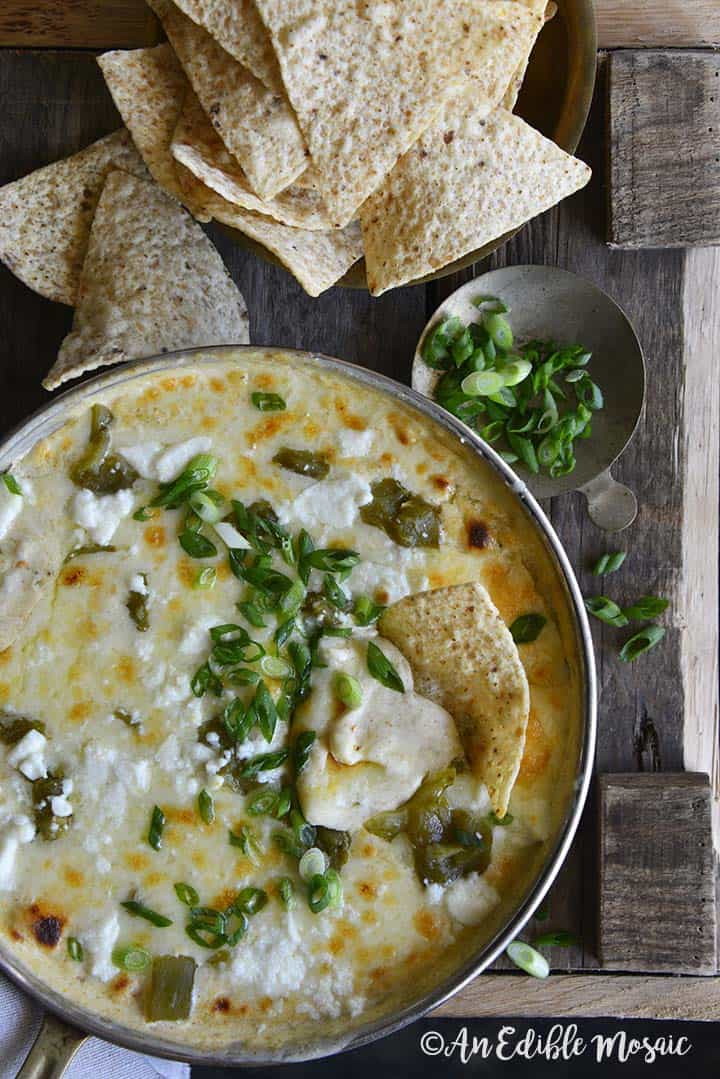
655	856
55	103
127	24
664	125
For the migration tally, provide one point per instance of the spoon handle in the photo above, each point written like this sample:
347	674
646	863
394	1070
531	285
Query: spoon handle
611	505
52	1051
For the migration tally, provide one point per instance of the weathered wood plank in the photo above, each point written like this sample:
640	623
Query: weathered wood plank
127	24
657	862
579	996
664	123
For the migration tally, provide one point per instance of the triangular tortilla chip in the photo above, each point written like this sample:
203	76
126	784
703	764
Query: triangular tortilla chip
237	27
152	282
198	147
257	125
468	180
464	658
148	87
45	217
366	79
545	11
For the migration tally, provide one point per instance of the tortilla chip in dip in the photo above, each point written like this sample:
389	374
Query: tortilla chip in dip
152	282
366	79
148	87
45	217
464	658
256	124
198	147
236	25
468	180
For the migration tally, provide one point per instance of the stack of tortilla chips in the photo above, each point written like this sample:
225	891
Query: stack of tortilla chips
329	130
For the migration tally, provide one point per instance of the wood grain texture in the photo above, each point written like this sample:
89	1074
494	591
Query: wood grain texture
664	125
127	24
657	881
699	597
580	996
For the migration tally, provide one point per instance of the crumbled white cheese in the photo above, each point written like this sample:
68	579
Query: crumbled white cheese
231	537
138	584
197	637
434	894
371	578
355	443
19	830
28	756
99	940
330	503
10	507
142	458
60	804
471	899
101	515
174	459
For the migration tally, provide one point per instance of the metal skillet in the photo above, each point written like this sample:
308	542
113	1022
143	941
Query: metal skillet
68	1022
551	304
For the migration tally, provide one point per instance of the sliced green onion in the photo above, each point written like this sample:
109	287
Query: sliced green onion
347	689
335	887
139	910
252	612
206	578
275	667
501	822
186	894
492	304
492	431
559	939
515	372
131	957
286	891
248	843
196	545
312	864
74	947
642	642
609	563
366	611
268	402
318	893
527	628
263	803
500	330
482	383
525	957
382	669
12	484
606	610
205	507
157	824
250	900
646	607
206	806
263	762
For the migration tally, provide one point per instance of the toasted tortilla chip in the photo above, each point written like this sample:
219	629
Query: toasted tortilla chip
148	87
366	79
45	217
317	259
198	147
464	658
237	27
545	11
468	180
152	282
257	125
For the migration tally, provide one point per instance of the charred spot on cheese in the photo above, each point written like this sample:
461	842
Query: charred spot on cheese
48	930
478	534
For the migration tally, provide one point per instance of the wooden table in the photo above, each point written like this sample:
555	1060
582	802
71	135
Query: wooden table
54	102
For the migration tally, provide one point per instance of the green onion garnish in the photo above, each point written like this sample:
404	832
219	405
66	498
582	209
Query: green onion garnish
365	611
609	563
157	823
318	893
558	939
139	910
646	607
248	843
252	612
268	402
196	545
275	667
312	864
206	806
347	689
382	669
606	610
286	891
525	957
643	641
527	628
186	894
263	762
263	803
303	746
250	900
501	822
131	957
12	484
74	947
206	578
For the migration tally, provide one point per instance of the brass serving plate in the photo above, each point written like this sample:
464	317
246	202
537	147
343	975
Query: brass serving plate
555	98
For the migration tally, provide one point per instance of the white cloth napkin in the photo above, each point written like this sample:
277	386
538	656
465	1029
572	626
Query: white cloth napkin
20	1021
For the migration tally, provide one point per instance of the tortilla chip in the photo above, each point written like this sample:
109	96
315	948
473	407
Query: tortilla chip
464	658
148	87
237	27
366	79
45	217
257	126
545	11
152	282
317	259
468	180
198	147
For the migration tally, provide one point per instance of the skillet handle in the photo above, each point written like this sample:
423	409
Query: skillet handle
53	1049
611	505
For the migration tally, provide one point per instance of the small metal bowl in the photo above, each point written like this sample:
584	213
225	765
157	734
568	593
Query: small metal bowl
555	98
50	419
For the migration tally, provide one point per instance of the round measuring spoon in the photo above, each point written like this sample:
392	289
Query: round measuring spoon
550	304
